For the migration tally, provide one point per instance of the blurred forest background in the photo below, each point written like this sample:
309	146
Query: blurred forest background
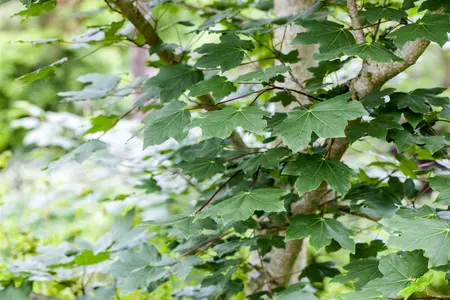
40	208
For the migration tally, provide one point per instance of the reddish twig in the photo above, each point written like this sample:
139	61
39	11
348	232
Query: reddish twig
325	195
269	289
205	243
216	192
255	177
257	96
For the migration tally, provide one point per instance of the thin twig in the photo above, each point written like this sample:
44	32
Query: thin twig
269	289
257	96
255	177
206	243
216	192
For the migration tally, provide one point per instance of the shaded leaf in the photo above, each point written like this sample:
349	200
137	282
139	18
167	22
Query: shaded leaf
219	86
264	75
375	51
442	185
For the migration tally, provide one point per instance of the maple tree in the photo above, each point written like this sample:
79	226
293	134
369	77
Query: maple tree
266	167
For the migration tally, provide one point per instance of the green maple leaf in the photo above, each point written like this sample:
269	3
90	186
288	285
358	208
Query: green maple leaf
363	295
221	123
400	271
269	160
360	271
442	185
102	123
87	257
418	285
167	122
373	14
42	73
242	205
320	230
188	225
403	139
376	98
327	119
228	54
99	86
432	236
432	27
328	34
433	5
377	127
294	292
434	143
311	170
201	169
375	51
417	100
265	74
174	80
219	86
79	154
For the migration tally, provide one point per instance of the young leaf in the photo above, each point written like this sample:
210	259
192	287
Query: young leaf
320	230
327	119
375	51
421	234
219	87
432	27
227	55
174	80
328	34
264	75
242	205
442	185
102	123
419	99
269	160
311	170
167	122
221	123
360	271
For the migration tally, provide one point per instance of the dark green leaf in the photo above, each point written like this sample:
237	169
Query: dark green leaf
442	185
219	87
269	160
264	75
373	14
375	51
311	170
419	99
360	272
228	54
320	231
201	169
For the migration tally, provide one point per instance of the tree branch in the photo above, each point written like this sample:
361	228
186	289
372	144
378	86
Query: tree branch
356	24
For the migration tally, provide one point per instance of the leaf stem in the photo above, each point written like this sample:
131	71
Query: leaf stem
255	177
269	289
216	192
206	243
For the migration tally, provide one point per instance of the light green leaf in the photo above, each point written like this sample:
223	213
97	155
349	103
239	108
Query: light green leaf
407	165
432	27
264	75
219	87
100	86
228	54
294	292
37	9
167	122
327	119
311	170
434	143
375	51
221	123
432	236
201	169
442	185
321	231
419	99
102	123
269	160
328	34
42	73
174	80
79	154
87	257
231	246
241	206
360	271
418	285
